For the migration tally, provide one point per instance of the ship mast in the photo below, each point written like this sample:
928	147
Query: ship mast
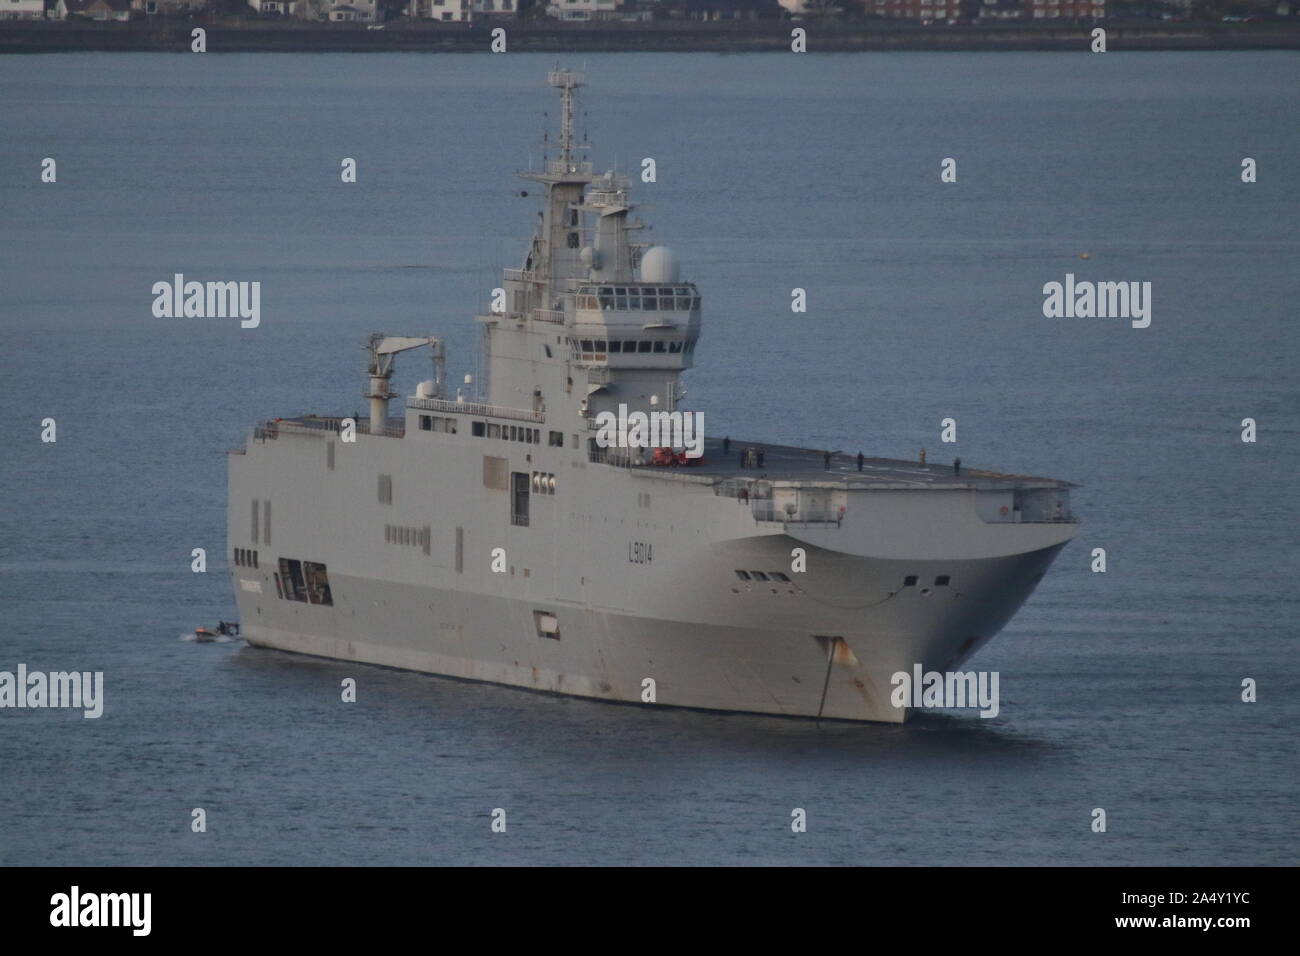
566	81
553	255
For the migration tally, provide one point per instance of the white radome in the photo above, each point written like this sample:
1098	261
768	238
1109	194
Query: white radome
659	264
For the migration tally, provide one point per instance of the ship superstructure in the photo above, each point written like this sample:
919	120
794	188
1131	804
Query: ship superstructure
493	537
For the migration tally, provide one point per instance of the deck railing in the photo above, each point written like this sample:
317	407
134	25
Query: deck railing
476	408
271	429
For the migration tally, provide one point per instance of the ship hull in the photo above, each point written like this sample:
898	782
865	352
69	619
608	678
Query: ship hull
571	529
793	654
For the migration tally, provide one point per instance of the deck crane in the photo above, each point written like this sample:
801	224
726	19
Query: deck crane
383	349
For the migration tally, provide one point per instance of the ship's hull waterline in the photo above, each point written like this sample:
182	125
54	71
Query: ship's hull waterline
821	668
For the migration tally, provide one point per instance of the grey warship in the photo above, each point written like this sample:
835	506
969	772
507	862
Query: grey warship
488	535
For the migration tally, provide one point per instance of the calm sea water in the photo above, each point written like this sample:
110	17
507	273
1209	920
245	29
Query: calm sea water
1119	690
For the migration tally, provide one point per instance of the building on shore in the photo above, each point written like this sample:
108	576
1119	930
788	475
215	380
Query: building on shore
276	8
708	10
819	8
460	11
22	9
100	10
121	10
354	11
152	8
970	11
488	9
1000	10
1064	9
583	9
934	11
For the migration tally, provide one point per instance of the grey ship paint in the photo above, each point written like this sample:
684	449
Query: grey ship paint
610	572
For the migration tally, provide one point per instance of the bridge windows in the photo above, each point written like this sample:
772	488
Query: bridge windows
638	298
598	350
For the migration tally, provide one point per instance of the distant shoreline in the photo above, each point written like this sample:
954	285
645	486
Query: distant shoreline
173	36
